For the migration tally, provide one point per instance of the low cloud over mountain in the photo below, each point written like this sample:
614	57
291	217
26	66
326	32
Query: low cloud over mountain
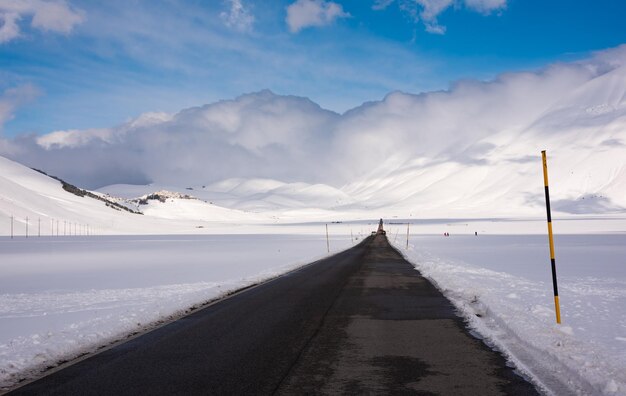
568	109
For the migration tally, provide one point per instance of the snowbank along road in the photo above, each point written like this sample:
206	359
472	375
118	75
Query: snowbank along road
360	322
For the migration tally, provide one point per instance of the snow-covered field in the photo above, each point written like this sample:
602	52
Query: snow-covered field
60	297
502	284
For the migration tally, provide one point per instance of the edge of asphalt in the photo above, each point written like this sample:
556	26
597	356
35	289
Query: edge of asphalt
509	359
153	326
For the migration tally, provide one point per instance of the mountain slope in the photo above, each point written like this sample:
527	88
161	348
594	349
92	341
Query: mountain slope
500	174
470	151
51	210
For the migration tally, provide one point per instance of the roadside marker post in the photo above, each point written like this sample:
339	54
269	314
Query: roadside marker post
11	226
550	238
327	243
26	226
407	236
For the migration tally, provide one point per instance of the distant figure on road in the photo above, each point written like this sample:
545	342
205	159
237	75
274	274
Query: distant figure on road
476	233
380	228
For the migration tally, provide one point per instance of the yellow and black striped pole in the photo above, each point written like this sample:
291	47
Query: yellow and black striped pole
552	260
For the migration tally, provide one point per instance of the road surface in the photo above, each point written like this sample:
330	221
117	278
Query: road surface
360	322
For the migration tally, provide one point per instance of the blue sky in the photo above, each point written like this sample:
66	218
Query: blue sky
84	64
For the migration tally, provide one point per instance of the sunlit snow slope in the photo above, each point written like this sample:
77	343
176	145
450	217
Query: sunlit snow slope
51	210
500	172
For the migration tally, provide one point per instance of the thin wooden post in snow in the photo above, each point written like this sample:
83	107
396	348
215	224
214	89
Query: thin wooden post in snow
327	242
407	236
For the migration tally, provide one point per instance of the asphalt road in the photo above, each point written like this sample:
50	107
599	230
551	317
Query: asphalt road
360	322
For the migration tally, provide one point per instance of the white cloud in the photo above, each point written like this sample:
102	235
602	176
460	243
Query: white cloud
262	134
73	138
308	13
238	17
46	15
485	6
8	26
381	4
12	98
293	139
432	8
435	28
429	10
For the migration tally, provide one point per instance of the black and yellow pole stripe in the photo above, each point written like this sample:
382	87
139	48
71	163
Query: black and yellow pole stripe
552	260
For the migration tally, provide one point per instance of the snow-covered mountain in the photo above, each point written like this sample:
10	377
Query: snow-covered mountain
257	195
32	198
587	168
584	133
496	174
471	151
